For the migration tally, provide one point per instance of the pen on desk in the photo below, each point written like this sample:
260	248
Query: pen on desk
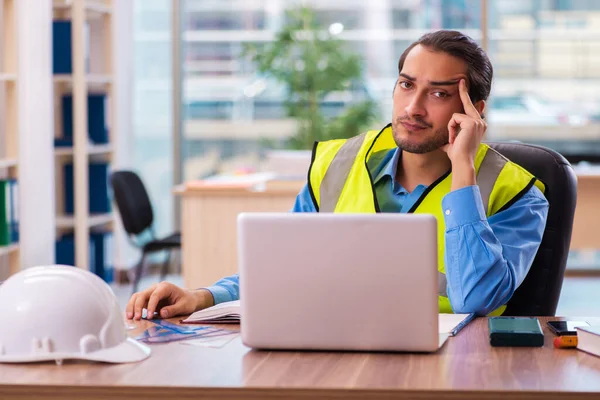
462	324
565	342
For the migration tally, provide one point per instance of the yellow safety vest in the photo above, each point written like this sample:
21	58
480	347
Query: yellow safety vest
340	181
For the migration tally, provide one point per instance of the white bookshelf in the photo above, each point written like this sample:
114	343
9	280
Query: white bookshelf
93	220
96	149
9	120
92	20
7	163
9	250
90	6
90	79
8	77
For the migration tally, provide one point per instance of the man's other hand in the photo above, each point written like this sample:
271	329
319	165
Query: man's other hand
168	300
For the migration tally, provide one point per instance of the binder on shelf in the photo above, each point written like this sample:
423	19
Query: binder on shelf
5	211
9	219
100	253
14	208
62	142
103	255
62	51
98	190
97	127
62	57
65	250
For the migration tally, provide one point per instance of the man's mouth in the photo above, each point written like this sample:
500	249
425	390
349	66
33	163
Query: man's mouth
413	127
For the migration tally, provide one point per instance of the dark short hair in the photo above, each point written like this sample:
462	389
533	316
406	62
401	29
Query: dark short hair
459	45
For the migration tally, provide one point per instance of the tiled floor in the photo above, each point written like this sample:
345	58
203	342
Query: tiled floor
580	296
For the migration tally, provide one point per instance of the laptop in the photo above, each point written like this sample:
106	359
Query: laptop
351	282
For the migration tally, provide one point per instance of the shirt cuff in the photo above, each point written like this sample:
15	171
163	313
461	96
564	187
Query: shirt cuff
463	207
220	294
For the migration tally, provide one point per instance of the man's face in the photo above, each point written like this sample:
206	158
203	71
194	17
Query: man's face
425	97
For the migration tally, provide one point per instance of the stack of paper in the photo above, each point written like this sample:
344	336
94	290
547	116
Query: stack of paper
242	181
448	322
224	313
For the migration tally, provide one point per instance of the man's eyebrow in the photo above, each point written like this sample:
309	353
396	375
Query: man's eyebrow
444	83
432	83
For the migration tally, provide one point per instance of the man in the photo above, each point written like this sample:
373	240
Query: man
491	212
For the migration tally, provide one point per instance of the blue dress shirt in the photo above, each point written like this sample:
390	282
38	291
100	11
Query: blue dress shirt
486	258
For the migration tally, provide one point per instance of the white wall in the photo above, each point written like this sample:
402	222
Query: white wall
152	109
125	254
36	132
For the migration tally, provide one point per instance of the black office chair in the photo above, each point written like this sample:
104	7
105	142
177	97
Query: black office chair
136	213
539	293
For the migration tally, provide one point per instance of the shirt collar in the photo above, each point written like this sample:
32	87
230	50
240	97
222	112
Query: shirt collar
389	165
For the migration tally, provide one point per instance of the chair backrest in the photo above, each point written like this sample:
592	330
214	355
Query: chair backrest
539	293
132	201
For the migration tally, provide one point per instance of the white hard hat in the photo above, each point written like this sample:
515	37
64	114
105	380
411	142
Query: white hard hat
61	312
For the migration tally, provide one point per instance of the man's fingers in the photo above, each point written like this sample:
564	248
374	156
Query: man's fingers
157	295
470	109
130	309
140	302
452	132
175	309
130	304
457	123
453	128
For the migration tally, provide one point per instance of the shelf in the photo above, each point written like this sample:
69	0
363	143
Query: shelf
96	149
8	77
4	250
68	221
95	7
93	18
94	79
8	163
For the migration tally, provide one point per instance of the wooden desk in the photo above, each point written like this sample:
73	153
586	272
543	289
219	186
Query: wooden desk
209	226
467	367
586	235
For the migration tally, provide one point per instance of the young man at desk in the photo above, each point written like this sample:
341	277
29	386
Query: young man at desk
491	212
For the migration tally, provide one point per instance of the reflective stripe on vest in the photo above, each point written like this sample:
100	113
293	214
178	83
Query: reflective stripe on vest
337	173
488	174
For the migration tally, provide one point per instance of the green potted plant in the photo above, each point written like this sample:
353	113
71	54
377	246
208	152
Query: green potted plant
312	65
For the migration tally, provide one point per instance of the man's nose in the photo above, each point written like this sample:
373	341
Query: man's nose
416	108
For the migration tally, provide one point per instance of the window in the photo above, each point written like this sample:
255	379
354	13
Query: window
545	53
152	111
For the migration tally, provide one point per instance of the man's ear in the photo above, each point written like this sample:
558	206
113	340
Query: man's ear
480	107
